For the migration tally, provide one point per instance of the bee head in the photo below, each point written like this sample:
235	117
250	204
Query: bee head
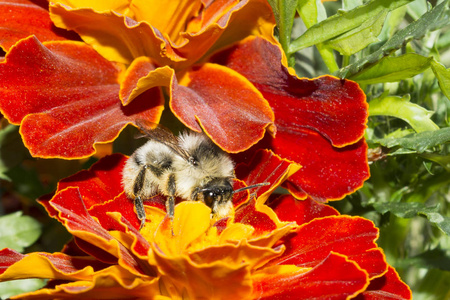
216	191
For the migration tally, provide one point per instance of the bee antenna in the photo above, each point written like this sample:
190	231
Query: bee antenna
250	187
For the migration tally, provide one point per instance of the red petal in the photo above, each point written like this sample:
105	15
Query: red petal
8	258
335	108
350	236
20	19
289	209
66	96
327	172
101	183
222	102
120	204
265	166
310	116
333	278
250	216
390	286
73	214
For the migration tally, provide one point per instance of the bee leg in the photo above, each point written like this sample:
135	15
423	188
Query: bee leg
140	211
137	189
170	207
170	203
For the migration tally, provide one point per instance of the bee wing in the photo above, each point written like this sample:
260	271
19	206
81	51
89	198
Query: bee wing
164	136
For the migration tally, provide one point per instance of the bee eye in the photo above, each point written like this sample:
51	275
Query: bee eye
193	161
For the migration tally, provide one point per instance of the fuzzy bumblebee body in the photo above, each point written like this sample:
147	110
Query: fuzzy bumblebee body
189	166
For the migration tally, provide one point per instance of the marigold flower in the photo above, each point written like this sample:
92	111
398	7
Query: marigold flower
223	70
273	247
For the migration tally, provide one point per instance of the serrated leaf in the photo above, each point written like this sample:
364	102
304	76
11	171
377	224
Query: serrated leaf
342	23
18	232
443	76
391	69
16	287
418	142
415	30
360	37
400	107
412	209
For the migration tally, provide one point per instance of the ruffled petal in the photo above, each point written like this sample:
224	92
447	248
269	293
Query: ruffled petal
289	209
222	102
265	167
114	35
20	19
73	215
48	266
320	122
141	76
105	286
65	96
351	236
388	287
335	277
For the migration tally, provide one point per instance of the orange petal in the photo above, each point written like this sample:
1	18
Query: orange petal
170	17
107	286
141	76
116	37
223	23
199	281
223	103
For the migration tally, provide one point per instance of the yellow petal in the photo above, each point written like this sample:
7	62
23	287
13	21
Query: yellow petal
191	220
115	36
119	6
236	232
169	17
35	265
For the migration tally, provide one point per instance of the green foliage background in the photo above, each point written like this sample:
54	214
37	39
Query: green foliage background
397	50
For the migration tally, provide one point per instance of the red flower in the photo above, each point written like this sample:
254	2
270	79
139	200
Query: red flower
69	95
272	247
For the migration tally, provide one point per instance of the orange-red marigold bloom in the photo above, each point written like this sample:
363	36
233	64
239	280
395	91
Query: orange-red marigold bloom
273	247
224	72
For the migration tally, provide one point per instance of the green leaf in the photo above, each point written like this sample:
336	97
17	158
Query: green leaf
391	69
284	11
412	209
360	37
417	142
415	30
16	287
344	22
443	160
307	9
18	232
432	259
443	76
400	107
